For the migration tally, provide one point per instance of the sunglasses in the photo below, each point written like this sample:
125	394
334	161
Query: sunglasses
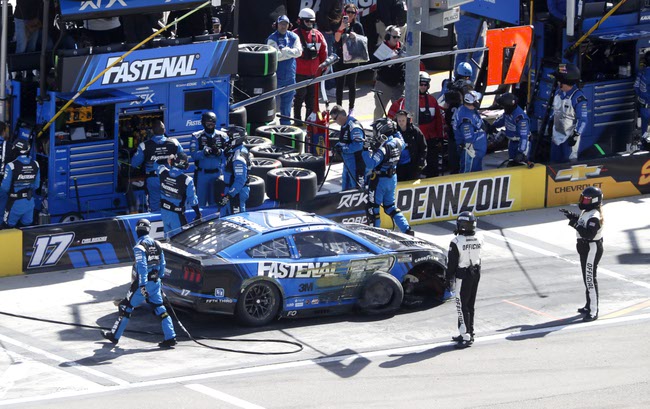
350	12
395	36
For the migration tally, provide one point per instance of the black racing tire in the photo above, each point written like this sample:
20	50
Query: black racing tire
261	166
272	151
252	141
291	185
283	135
249	87
257	193
305	161
381	294
334	139
258	304
262	111
238	117
257	60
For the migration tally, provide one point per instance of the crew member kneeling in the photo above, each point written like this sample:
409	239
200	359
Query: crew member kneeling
146	287
382	155
464	266
176	191
589	229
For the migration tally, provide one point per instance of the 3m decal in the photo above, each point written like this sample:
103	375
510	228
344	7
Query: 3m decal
49	249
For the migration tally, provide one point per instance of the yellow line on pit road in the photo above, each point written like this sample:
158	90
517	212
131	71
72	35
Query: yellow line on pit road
530	309
628	310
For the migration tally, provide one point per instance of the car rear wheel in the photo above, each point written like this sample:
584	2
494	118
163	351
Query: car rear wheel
258	304
381	294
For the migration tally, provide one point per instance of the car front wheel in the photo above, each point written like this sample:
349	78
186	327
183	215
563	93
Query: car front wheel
258	304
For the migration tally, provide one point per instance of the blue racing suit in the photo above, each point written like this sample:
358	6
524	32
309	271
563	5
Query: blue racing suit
643	96
207	152
236	179
146	286
467	28
289	48
5	150
470	136
351	145
383	182
152	153
22	177
518	133
176	191
569	118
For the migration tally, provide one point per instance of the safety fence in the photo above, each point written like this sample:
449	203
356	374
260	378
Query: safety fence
102	242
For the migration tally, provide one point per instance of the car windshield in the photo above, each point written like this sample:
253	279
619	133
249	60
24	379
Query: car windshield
213	236
380	237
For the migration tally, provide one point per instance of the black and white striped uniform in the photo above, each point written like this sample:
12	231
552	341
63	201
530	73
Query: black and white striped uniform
464	265
589	230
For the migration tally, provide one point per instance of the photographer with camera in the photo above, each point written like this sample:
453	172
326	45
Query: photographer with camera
464	274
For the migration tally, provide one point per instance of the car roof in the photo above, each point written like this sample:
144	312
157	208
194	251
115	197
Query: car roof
264	221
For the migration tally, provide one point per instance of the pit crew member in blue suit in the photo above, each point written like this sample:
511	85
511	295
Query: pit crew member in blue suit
569	115
146	286
382	155
469	133
176	192
206	149
641	85
153	153
517	126
22	177
289	48
237	190
350	146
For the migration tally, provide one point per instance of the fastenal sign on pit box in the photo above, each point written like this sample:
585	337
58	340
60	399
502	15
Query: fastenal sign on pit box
487	192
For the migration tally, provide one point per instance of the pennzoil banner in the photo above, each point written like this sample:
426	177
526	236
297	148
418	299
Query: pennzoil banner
620	176
487	192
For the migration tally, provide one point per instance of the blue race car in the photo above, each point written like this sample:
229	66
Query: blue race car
267	264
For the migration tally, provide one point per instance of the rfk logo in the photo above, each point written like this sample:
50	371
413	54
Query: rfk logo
98	4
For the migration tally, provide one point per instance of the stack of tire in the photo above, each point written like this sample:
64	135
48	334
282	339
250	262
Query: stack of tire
283	135
289	176
256	68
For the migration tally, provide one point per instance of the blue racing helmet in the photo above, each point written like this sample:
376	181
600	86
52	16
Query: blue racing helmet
464	69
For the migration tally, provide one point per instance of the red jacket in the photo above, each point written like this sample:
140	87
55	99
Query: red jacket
303	65
431	130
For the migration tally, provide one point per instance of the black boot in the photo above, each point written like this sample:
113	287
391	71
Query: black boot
168	343
110	336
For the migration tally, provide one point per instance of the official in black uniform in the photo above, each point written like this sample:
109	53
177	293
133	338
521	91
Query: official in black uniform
589	229
464	266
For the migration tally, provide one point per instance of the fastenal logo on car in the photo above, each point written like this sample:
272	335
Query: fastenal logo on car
150	69
578	172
